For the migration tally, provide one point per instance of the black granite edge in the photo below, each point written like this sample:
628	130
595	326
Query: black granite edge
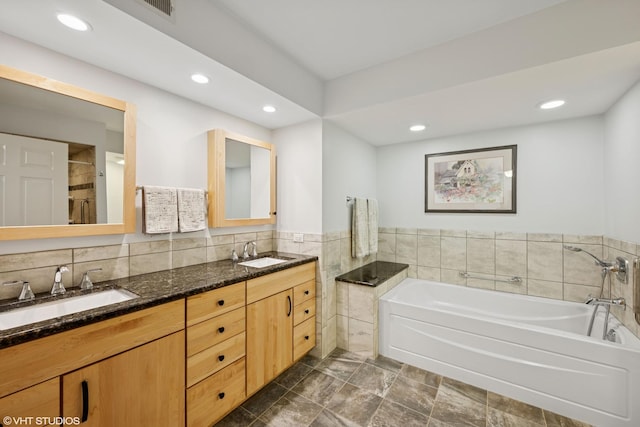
385	270
152	289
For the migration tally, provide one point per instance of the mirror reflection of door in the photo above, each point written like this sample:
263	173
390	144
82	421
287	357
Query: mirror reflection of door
33	181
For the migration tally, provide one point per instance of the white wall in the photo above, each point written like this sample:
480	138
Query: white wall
171	131
559	179
348	169
299	165
621	171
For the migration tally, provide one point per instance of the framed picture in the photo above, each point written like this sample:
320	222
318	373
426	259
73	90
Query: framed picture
472	181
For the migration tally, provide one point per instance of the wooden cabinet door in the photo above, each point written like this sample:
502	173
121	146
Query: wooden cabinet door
42	400
140	387
269	339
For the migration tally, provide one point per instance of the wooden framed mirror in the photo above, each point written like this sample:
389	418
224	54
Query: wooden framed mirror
67	160
241	180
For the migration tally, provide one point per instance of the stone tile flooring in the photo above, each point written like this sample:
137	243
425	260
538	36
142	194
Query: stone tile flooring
346	390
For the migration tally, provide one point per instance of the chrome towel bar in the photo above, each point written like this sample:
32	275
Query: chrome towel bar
514	279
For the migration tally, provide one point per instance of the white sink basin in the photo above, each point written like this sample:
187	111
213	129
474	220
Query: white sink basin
262	262
49	310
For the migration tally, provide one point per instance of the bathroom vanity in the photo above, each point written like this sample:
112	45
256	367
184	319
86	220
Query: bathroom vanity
195	344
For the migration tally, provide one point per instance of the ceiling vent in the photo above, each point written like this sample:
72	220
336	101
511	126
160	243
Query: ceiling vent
163	6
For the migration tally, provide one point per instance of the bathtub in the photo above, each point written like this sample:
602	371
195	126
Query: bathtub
528	348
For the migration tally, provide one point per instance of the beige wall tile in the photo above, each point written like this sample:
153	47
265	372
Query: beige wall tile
580	268
541	288
100	252
508	235
342	332
453	253
242	238
511	287
583	239
188	257
407	248
387	245
188	243
511	257
429	251
361	302
361	338
141	264
342	298
452	277
544	237
481	235
579	293
429	231
544	261
219	252
114	268
429	273
453	233
331	255
390	230
223	239
332	298
481	283
400	230
30	260
142	248
481	256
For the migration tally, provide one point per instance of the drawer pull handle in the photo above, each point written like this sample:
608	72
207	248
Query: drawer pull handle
221	357
306	311
85	401
221	329
306	292
221	302
290	305
306	337
221	395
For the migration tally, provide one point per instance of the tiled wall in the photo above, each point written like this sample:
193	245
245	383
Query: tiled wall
546	269
117	261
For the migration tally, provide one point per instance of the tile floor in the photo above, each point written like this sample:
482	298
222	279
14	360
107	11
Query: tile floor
347	390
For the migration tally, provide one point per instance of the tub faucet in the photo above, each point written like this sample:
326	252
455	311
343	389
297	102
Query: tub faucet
245	252
58	287
606	301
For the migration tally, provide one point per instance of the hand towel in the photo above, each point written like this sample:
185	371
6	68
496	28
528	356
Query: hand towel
372	214
159	210
359	229
191	210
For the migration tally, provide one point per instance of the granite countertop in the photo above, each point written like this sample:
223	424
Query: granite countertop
152	289
373	274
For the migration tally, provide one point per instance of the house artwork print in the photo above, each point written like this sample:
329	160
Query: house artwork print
469	181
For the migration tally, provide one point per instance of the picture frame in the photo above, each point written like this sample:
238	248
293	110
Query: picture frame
472	181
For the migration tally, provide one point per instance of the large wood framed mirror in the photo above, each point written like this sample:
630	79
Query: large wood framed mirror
67	160
242	180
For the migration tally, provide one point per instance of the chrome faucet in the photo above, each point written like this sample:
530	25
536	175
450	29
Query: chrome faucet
85	282
58	287
245	252
607	303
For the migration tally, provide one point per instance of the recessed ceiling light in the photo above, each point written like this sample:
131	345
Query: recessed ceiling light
73	22
200	78
417	128
269	109
552	104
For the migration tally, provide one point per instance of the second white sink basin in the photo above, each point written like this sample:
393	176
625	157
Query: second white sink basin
262	262
49	310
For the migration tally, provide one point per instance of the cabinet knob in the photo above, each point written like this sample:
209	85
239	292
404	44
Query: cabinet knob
221	302
221	357
221	329
306	337
306	292
221	395
306	311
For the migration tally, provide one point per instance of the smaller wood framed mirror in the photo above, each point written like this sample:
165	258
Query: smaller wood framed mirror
241	180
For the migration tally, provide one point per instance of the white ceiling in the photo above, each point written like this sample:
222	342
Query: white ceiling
373	67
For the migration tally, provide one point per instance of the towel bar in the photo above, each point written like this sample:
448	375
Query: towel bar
514	279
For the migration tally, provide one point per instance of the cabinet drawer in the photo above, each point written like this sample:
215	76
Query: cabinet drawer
214	303
304	338
211	399
271	284
205	363
213	331
304	292
304	311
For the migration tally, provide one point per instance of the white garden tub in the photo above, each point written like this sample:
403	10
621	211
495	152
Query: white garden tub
531	349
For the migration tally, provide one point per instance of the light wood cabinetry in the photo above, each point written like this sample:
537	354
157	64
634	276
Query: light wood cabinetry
133	365
280	322
142	386
41	400
215	350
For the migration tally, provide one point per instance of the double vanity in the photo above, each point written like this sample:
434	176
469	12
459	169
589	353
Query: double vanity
185	347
